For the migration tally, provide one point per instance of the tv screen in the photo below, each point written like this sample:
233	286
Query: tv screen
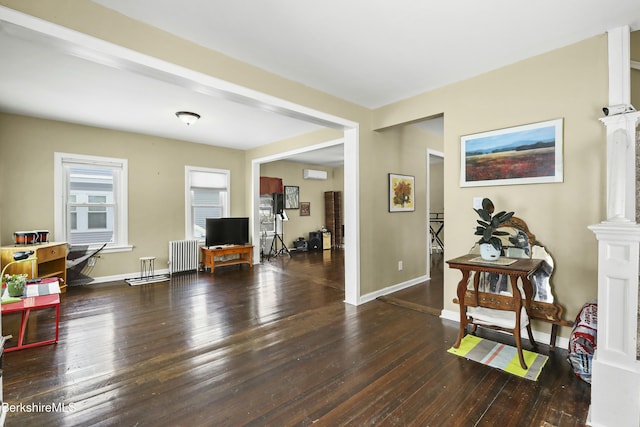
227	231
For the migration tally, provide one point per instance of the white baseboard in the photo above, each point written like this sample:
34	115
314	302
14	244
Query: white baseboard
450	315
121	277
363	299
391	289
541	337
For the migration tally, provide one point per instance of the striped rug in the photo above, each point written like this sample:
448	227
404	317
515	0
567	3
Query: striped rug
501	356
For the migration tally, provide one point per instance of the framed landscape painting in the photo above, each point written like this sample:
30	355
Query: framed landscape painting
528	154
401	193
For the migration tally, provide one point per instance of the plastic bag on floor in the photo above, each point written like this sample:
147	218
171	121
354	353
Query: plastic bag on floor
582	344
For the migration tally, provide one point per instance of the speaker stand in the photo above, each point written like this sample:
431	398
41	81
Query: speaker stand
274	247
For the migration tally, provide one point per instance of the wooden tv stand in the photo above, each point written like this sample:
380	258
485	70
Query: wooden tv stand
210	253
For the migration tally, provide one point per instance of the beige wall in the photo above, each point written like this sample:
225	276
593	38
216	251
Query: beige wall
436	177
397	236
311	191
156	182
569	83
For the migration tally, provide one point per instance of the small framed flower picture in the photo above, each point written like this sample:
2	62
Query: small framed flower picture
401	193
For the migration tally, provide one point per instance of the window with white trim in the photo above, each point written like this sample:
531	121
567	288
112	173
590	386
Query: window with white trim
207	196
91	200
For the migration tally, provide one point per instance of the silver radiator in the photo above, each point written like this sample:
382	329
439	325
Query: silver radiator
183	255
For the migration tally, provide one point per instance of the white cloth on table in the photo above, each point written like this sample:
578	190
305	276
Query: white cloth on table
47	287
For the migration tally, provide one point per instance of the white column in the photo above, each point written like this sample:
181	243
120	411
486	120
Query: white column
619	65
615	387
621	166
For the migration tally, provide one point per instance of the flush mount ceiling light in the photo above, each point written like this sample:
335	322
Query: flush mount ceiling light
187	117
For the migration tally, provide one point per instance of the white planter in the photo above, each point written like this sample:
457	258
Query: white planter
488	252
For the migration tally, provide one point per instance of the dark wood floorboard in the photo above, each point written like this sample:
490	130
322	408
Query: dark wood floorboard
269	346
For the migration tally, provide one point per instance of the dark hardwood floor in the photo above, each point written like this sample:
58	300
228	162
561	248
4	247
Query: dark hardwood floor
269	346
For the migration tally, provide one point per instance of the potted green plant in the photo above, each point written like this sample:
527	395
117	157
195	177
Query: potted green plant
15	284
490	242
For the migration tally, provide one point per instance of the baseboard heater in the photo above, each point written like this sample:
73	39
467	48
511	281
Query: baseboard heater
183	255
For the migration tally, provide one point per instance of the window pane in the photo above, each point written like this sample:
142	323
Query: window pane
73	219
82	180
92	207
203	196
97	199
104	236
207	196
97	221
91	185
97	218
200	215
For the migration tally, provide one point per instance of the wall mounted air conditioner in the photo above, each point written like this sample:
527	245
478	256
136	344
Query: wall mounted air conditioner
314	174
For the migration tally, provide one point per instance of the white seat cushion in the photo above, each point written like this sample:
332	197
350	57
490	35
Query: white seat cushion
501	318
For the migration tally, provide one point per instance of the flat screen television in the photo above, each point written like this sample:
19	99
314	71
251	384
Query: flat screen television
227	231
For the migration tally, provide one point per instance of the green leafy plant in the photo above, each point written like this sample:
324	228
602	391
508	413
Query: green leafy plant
488	224
15	284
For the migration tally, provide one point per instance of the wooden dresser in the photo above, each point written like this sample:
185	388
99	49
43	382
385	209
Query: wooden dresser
51	262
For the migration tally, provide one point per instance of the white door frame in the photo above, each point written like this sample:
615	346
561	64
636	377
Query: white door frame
430	153
351	207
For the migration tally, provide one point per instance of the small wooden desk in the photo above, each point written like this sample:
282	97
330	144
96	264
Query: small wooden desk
520	269
51	261
209	255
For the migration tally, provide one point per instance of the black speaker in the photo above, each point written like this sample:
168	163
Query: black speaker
278	202
315	241
300	245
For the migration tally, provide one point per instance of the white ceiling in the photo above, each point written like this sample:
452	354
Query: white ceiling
370	52
375	52
43	77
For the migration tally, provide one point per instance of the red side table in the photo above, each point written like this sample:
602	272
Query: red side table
25	306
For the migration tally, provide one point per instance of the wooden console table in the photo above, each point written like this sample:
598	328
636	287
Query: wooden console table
520	268
209	255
